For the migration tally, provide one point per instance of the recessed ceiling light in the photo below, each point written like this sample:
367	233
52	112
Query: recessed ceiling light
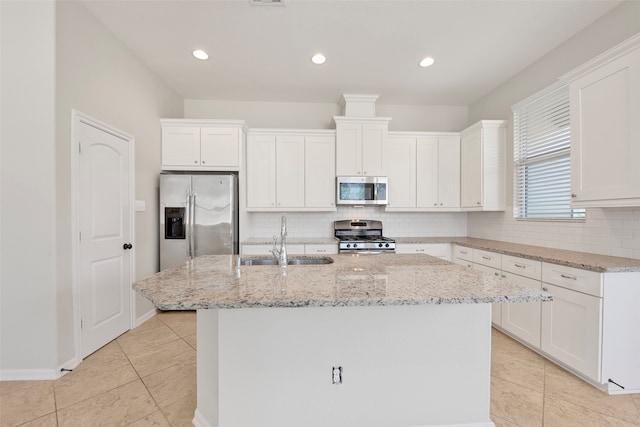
318	58
427	62
200	54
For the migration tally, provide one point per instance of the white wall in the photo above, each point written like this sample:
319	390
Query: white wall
98	76
606	231
55	57
395	224
445	118
28	336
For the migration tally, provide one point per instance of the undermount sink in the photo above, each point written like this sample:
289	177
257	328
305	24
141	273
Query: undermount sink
294	260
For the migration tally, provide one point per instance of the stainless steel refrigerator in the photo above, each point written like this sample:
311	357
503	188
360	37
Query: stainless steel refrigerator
198	216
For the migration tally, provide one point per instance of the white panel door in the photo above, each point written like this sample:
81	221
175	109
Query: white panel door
104	274
605	106
522	319
290	171
496	308
471	170
220	147
427	172
400	166
348	149
449	172
180	146
261	171
320	172
571	329
374	135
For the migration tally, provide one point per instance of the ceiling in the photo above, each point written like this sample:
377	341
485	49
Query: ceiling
263	53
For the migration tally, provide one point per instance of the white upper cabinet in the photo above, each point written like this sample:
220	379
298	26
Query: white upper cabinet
214	145
359	145
483	166
290	170
423	170
605	128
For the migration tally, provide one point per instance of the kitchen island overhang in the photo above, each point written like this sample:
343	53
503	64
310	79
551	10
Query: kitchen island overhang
411	334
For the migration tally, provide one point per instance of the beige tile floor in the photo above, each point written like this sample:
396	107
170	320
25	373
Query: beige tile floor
147	377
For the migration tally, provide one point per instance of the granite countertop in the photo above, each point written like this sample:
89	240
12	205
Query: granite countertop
582	260
213	281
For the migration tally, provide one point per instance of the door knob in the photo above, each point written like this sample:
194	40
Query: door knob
127	246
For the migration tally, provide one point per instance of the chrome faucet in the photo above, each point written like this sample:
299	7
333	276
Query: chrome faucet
281	255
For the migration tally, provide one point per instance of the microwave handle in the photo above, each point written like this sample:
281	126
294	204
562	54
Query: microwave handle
375	190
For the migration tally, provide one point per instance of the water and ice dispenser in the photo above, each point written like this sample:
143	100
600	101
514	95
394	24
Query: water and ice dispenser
175	226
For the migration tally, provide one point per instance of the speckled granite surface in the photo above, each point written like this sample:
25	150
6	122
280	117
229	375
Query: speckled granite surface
583	260
213	281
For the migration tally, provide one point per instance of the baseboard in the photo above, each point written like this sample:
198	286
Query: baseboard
148	315
29	374
37	374
200	421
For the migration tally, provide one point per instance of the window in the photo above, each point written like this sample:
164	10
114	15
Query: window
541	157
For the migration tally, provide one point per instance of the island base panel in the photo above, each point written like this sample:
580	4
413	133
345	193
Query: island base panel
422	365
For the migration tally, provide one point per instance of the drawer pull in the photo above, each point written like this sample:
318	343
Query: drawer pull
545	289
564	276
321	250
464	252
496	273
419	250
520	265
486	257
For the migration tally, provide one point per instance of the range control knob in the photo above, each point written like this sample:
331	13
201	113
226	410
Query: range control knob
348	245
379	245
355	245
386	245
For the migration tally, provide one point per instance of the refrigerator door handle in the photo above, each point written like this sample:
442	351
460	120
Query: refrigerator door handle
188	224
192	237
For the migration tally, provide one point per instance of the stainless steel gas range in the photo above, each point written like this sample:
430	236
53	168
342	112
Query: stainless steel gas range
362	236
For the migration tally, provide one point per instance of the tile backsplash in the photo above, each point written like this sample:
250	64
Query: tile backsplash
613	232
320	224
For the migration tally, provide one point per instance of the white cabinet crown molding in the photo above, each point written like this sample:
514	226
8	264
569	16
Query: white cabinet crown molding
205	123
301	132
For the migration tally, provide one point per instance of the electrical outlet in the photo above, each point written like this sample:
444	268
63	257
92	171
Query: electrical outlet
336	375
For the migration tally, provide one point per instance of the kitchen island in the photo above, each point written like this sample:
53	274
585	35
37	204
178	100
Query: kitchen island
382	340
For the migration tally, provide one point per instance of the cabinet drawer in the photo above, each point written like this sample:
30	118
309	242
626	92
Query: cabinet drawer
462	252
490	259
585	281
440	250
522	267
320	249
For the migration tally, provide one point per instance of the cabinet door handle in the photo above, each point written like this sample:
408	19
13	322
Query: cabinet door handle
486	257
545	289
568	277
503	276
477	203
203	162
496	273
464	252
195	161
574	196
520	265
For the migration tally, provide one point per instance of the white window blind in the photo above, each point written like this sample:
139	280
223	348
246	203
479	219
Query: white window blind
541	156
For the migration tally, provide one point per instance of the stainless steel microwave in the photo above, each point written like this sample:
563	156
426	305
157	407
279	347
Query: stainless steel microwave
362	190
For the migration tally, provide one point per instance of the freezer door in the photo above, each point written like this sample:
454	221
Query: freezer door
215	214
174	219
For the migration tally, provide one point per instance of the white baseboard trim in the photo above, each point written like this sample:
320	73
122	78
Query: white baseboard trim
483	424
200	421
29	374
146	316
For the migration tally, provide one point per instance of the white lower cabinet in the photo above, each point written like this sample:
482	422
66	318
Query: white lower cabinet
439	250
323	249
522	319
496	308
571	330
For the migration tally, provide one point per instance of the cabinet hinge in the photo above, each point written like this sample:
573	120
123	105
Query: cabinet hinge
81	323
80	235
80	147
